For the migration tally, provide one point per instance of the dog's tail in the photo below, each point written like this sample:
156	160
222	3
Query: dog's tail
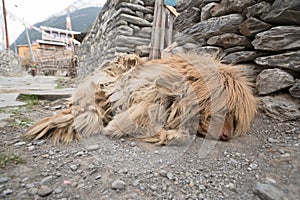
58	127
66	126
90	109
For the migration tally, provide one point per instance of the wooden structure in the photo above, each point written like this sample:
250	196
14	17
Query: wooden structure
162	30
53	53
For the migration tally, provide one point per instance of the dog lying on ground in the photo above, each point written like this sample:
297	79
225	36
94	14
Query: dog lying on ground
158	101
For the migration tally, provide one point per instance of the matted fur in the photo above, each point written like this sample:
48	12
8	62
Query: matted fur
156	101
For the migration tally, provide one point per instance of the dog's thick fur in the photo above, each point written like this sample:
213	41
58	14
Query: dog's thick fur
157	101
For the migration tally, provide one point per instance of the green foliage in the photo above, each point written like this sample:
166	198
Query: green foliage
30	99
9	158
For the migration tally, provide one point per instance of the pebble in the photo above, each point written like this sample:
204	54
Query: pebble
19	144
29	185
4	180
93	147
46	179
286	155
118	185
30	148
170	176
270	180
44	191
272	140
136	183
78	154
73	167
132	144
253	165
8	192
153	187
33	191
281	151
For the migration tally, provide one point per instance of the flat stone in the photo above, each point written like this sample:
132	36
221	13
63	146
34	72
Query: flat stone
4	119
295	90
44	191
93	147
257	10
284	12
215	26
280	60
8	192
118	185
134	20
182	5
278	38
186	19
132	40
46	180
268	192
135	7
228	40
205	11
240	56
280	107
9	100
142	50
231	6
213	51
4	180
149	2
251	26
266	79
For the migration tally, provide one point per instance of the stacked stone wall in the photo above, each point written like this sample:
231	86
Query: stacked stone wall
10	64
122	27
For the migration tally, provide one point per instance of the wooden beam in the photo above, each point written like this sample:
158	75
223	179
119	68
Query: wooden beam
5	25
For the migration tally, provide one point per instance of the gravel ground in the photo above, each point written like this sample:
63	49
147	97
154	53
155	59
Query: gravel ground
263	164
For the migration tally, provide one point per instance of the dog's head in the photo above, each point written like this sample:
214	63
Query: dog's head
228	105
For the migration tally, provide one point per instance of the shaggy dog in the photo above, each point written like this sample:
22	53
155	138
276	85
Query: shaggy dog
159	101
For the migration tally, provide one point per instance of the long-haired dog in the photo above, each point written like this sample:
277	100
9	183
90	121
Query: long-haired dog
158	101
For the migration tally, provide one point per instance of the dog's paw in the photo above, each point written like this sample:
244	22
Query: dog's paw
164	137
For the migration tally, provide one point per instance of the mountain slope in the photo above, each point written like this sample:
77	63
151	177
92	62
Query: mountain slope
81	19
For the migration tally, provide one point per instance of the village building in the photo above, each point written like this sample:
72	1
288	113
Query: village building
53	53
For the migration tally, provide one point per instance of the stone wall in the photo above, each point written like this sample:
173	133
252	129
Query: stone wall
122	27
10	64
263	34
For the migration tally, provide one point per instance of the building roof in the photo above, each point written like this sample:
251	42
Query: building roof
51	43
45	28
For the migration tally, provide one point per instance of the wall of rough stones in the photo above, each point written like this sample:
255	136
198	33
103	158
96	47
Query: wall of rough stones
122	27
9	64
263	34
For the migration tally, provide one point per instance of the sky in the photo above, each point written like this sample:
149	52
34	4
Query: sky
32	11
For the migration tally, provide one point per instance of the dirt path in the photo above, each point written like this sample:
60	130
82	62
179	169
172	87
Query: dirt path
264	162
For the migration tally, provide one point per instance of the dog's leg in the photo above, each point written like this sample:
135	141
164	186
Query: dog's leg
128	122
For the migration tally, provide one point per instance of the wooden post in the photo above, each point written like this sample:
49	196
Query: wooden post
29	42
162	30
5	24
156	30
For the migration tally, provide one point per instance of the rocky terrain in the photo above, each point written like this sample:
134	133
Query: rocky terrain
262	164
262	35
